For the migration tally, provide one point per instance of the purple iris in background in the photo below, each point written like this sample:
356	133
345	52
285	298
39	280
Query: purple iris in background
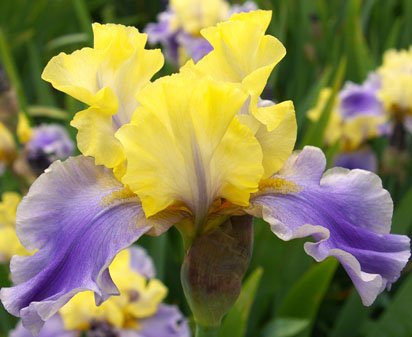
363	113
49	142
364	159
361	99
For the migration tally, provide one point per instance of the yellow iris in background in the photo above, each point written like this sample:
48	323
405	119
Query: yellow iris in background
349	132
192	16
139	298
396	82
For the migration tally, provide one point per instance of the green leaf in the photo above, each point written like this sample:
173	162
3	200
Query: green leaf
8	62
271	253
316	131
66	40
47	111
235	323
396	321
84	17
304	298
402	219
351	317
285	327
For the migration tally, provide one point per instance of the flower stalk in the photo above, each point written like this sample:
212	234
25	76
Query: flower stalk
206	331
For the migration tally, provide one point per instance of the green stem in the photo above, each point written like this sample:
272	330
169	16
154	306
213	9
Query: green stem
11	70
202	331
84	17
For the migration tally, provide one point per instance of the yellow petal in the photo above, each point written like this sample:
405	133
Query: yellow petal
187	146
9	242
24	132
107	78
81	310
242	53
396	81
8	208
7	146
138	299
276	135
75	74
153	293
96	136
358	129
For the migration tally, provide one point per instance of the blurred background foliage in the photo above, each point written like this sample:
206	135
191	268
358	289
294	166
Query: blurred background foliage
328	42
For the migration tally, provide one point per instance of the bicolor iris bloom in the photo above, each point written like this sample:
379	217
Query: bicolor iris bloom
198	148
357	116
178	29
138	311
9	242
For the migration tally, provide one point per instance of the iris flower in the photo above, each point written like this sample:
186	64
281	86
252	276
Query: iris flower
357	116
137	312
190	150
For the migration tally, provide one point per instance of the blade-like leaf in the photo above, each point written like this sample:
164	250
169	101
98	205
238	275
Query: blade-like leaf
304	299
235	323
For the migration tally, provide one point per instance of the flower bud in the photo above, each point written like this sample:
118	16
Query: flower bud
214	267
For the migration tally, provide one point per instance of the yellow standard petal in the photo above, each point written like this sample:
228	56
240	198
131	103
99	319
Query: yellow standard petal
106	77
187	146
276	135
245	56
242	53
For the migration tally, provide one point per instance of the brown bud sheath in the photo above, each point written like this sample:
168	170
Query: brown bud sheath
214	267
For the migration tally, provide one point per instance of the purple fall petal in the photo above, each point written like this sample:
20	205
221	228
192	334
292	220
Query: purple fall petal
54	327
78	217
364	159
348	214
